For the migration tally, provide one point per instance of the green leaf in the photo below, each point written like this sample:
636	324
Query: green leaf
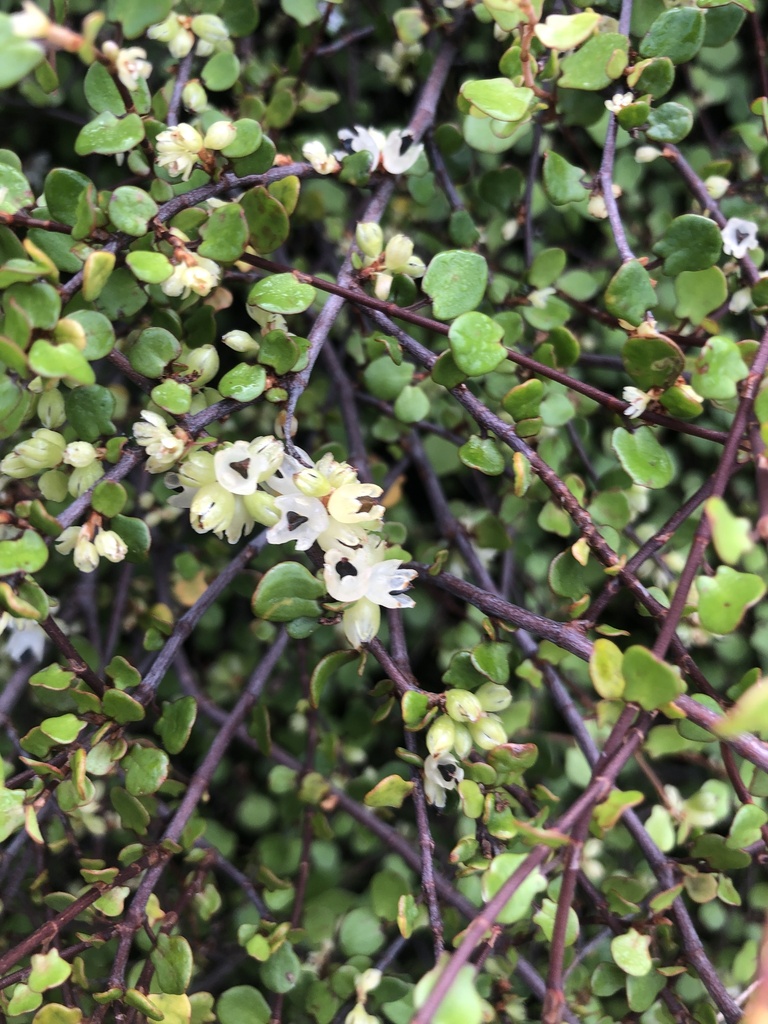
605	669
596	64
172	960
11	812
27	553
281	293
95	330
247	139
96	271
475	341
243	382
455	281
631	952
278	350
65	360
745	827
175	724
547	266
151	267
108	135
224	234
643	457
146	769
653	362
411	405
502	868
461	1005
725	597
677	34
54	677
101	90
670	122
699	292
497	98
567	31
136	535
563	182
325	670
630	294
268	223
48	971
131	209
133	813
287	591
241	1003
482	454
731	534
17	58
62	728
390	792
90	410
649	682
172	395
608	813
653	77
137	15
109	498
153	350
122	707
221	71
691	242
718	369
282	971
17	192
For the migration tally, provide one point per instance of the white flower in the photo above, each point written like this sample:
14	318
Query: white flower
538	299
441	774
396	152
638	402
315	153
200	277
741	300
132	66
739	236
241	467
177	149
212	509
24	636
302	519
364	572
30	22
618	101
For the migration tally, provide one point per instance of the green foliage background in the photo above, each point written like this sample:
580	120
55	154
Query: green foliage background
213	809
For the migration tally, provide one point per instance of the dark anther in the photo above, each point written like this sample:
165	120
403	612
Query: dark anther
295	520
345	568
447	771
241	467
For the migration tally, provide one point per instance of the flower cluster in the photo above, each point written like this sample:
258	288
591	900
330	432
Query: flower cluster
383	262
178	149
90	542
469	719
396	153
321	503
44	452
181	32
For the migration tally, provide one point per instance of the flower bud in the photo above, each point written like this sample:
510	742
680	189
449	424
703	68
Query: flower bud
370	238
86	557
494	697
210	28
462	744
84	477
204	362
41	451
441	736
397	253
50	409
30	22
212	509
241	341
488	732
312	483
717	186
194	97
181	44
79	454
463	706
382	286
220	135
261	507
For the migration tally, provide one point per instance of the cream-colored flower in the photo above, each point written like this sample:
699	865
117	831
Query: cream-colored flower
177	149
618	101
200	277
638	402
441	775
163	447
315	153
132	66
30	22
